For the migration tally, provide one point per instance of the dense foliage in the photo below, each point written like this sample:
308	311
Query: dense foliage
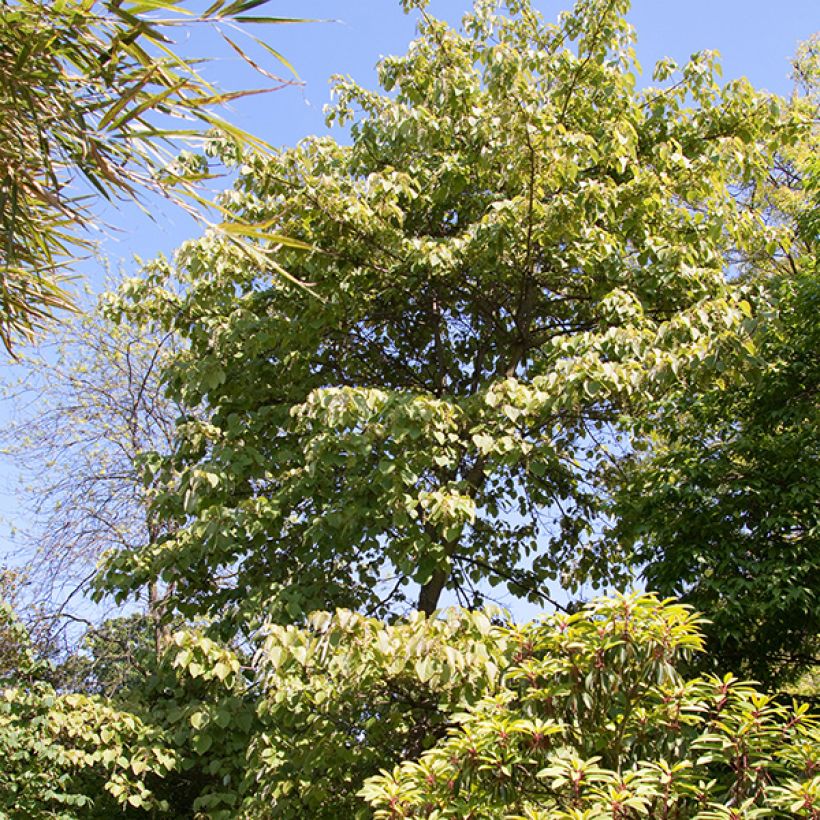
350	695
531	324
69	755
724	509
721	507
584	715
594	720
517	248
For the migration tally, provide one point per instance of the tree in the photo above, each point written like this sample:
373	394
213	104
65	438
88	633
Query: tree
89	408
112	659
517	264
92	91
722	508
346	696
517	250
13	645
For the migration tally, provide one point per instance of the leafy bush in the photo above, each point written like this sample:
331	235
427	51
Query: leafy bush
349	695
595	720
69	755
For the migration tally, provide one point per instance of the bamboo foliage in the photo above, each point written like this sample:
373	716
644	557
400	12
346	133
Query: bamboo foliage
94	92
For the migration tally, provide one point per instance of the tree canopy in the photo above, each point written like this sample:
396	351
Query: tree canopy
518	251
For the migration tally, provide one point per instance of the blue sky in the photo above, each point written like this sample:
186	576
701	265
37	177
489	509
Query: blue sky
755	38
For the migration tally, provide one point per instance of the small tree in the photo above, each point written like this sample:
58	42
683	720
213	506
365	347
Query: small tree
69	755
89	411
346	696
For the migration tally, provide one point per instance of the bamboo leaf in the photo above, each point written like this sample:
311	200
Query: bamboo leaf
258	232
241	6
272	20
140	6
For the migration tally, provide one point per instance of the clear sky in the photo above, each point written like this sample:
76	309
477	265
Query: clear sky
755	37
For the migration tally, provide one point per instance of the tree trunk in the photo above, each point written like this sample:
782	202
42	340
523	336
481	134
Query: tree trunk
431	592
155	611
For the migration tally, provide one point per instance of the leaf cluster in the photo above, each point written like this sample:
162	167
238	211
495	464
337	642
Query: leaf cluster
346	694
92	93
71	755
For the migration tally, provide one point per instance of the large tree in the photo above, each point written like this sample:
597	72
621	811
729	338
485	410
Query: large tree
518	248
517	260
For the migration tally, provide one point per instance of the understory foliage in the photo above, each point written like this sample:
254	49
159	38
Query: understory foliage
467	716
350	695
69	755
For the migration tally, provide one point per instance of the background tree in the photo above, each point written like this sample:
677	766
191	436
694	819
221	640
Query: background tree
93	92
113	658
89	410
12	644
723	511
722	508
517	249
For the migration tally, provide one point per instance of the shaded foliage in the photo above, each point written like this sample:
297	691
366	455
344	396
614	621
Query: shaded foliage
724	508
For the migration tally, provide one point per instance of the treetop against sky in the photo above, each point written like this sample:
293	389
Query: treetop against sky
399	370
755	39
